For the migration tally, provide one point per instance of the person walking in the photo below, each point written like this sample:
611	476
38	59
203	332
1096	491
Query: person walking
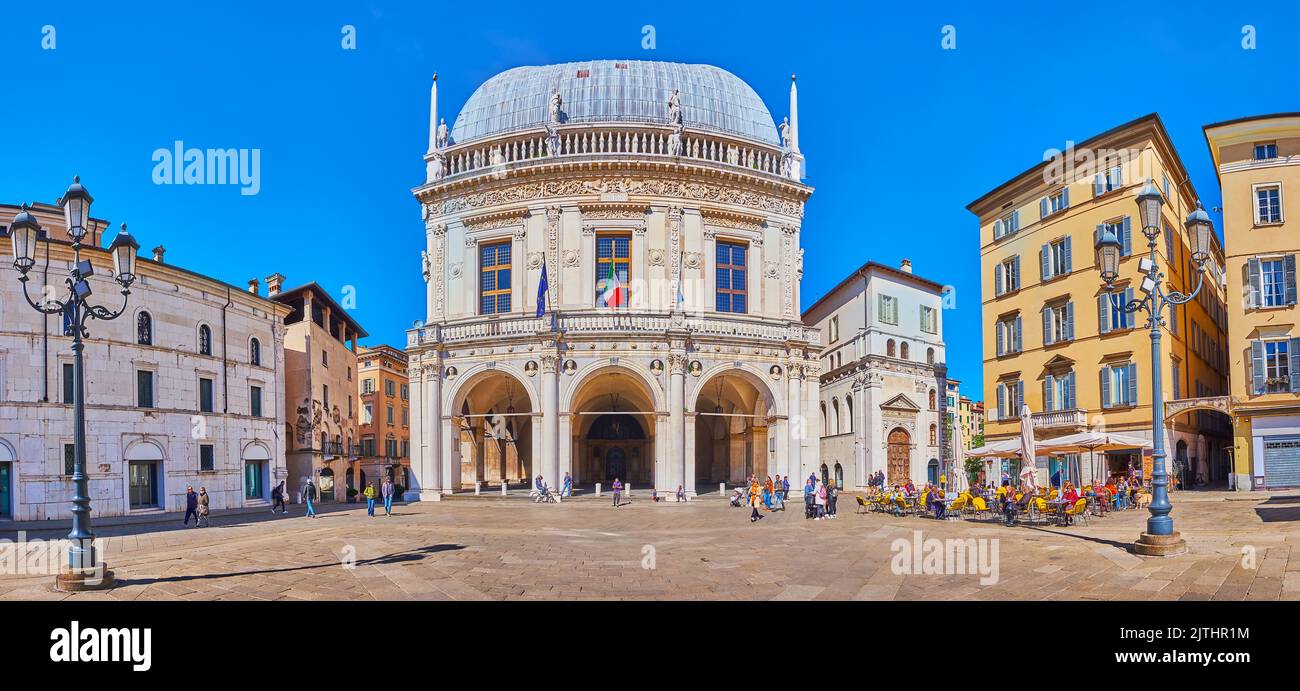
754	498
309	497
277	496
785	491
201	518
387	491
191	505
567	488
832	494
370	494
617	486
767	495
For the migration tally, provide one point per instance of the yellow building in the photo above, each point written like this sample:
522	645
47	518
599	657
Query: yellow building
1257	160
1055	339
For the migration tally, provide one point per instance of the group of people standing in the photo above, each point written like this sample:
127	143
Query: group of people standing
770	495
819	498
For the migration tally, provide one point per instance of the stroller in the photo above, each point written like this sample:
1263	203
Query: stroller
737	498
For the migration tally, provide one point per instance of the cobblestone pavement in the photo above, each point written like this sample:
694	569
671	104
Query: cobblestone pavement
1239	549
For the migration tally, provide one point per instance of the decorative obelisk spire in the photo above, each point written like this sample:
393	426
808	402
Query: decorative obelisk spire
433	114
793	166
794	115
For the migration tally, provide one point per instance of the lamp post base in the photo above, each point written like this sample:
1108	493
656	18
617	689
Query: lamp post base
79	580
1149	545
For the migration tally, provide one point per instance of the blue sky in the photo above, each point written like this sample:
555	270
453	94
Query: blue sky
899	134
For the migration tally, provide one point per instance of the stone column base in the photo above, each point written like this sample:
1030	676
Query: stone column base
430	495
79	580
1149	545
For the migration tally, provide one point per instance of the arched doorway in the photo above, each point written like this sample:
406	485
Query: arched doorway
7	460
932	471
144	462
493	424
899	454
257	471
613	429
733	409
839	475
1199	441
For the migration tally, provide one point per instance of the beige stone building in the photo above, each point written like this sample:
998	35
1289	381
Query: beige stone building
321	390
184	388
1257	160
1055	339
662	207
384	430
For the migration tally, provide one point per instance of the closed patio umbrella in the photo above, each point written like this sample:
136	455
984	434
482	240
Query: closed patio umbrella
1028	453
960	481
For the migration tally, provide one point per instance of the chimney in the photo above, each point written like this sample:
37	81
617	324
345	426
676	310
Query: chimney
158	253
253	285
273	284
907	266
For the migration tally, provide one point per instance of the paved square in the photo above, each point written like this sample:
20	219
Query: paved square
467	549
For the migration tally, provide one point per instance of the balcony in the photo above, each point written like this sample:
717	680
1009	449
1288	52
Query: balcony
598	323
1073	418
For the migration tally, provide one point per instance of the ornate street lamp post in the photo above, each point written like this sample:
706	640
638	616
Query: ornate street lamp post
1160	538
84	571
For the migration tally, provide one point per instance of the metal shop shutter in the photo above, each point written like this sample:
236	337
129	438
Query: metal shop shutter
1282	461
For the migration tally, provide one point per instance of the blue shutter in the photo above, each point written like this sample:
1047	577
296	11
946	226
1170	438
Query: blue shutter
1290	279
1048	400
1015	220
1119	176
1043	207
1069	386
1096	235
1098	185
1255	285
1105	387
1103	313
1065	202
1127	236
1132	384
1069	255
997	279
1020	397
1293	347
1047	326
1128	316
1002	399
1069	321
1258	367
1018	332
1002	346
1045	257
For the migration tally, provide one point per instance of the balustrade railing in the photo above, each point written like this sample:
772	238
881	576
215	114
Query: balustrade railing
614	323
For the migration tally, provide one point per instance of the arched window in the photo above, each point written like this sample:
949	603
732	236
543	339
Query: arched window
929	355
889	348
825	430
902	350
255	352
933	403
205	340
144	329
934	435
835	411
848	405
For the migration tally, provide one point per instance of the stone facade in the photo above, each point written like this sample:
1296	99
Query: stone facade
659	392
882	401
139	459
384	430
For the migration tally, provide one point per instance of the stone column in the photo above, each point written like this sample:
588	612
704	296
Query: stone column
676	422
861	426
798	423
550	451
435	479
688	482
416	374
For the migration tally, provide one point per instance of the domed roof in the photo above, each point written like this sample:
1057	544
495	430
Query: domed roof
633	91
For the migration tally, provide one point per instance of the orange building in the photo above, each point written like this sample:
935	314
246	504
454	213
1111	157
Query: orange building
385	430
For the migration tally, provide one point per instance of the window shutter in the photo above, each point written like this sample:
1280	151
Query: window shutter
1065	201
997	229
1069	255
1103	313
1020	397
1119	176
1015	220
1290	280
1045	257
1002	399
1132	398
1098	185
1002	346
1096	235
1169	244
1128	318
1069	390
1047	326
1043	207
1105	387
997	280
1292	348
1018	331
1127	236
1048	402
1258	369
1173	318
1255	286
1015	273
1069	321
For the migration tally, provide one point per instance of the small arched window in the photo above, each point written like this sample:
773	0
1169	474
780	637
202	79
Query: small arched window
929	355
848	405
902	350
835	411
934	435
144	329
889	348
825	430
255	352
205	340
933	404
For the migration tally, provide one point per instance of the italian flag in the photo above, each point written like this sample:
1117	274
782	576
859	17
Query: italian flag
612	296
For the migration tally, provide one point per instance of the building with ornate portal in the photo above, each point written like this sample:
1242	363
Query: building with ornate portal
654	210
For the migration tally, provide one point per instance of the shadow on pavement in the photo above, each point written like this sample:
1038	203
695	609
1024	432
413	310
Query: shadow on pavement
396	558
